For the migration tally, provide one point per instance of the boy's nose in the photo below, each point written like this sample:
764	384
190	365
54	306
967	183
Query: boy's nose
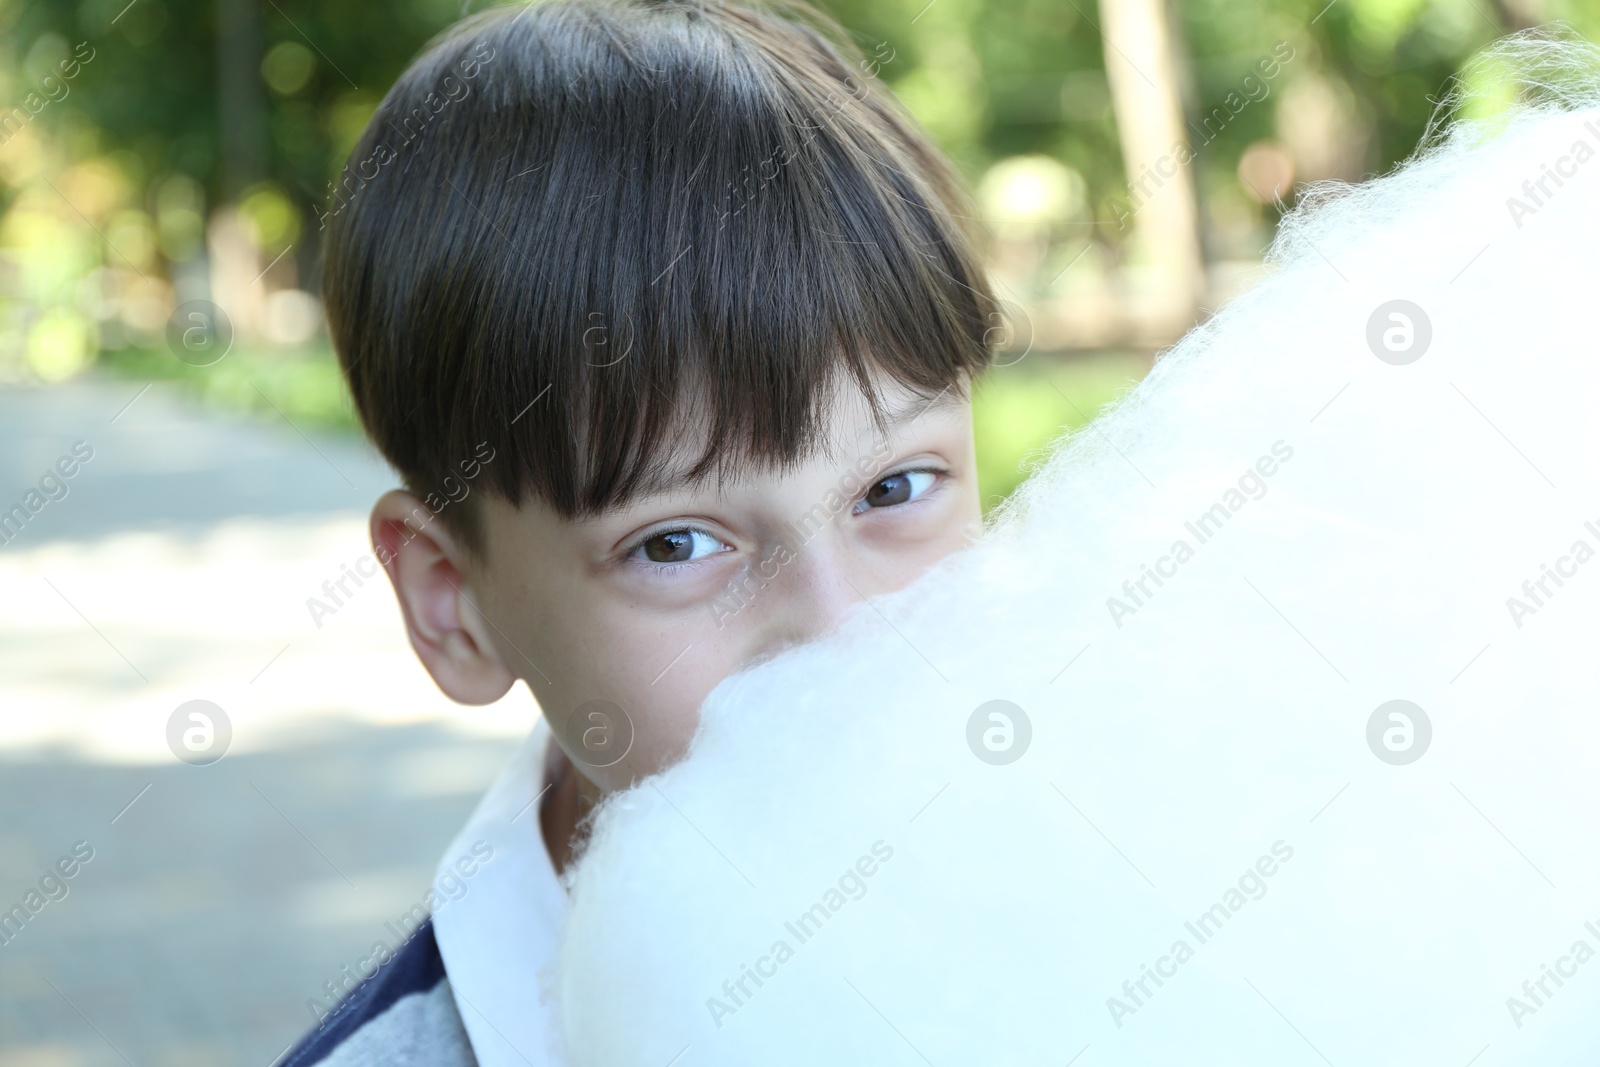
813	593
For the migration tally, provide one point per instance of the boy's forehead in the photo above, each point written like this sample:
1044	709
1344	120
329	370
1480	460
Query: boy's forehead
849	434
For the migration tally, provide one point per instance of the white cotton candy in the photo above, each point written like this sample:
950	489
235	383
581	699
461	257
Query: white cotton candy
1215	736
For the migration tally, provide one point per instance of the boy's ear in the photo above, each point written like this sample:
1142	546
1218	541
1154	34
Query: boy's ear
426	566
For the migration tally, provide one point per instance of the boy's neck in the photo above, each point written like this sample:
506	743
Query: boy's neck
564	808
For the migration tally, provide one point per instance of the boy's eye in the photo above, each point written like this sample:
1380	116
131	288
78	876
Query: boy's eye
896	489
678	546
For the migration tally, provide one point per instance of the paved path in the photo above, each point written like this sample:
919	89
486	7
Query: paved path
219	898
160	463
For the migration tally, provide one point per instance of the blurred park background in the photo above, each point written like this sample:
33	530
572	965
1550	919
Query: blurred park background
1131	158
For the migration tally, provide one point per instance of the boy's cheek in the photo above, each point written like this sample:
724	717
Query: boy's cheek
575	637
660	703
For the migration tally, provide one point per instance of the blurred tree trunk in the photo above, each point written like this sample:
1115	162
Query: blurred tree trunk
1169	272
242	114
1519	14
242	107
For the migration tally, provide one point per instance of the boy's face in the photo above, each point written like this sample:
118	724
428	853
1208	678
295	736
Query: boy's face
621	624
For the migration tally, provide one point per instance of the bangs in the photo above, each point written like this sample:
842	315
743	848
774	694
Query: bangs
641	226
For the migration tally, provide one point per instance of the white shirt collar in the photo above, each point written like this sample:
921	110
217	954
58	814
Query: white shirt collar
499	940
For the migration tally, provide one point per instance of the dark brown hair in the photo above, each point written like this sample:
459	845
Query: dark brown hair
578	229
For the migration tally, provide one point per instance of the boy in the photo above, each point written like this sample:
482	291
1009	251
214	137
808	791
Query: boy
695	307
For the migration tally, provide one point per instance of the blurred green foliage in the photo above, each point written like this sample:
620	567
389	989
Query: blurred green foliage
1020	410
303	385
164	100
